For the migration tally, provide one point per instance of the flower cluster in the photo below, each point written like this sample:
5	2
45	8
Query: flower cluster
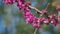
9	1
30	18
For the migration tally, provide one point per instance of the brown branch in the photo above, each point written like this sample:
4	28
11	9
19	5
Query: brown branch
35	9
39	10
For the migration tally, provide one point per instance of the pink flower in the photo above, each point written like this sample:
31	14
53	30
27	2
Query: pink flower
6	2
26	9
9	1
28	3
44	11
58	7
22	1
52	16
35	20
46	21
58	18
41	19
36	25
29	21
14	1
28	16
53	21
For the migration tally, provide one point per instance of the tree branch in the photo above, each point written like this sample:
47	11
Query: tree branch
35	9
39	12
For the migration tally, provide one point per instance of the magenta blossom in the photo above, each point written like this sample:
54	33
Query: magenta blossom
53	21
52	16
36	25
9	1
46	21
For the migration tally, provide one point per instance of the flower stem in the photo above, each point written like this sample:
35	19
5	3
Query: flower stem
47	6
58	15
58	12
35	32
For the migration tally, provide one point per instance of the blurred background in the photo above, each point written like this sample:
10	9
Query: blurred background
13	22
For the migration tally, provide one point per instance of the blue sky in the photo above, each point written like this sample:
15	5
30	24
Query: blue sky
2	27
1	3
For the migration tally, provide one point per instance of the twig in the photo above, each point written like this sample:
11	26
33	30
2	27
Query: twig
35	9
47	6
58	15
58	12
35	31
39	10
